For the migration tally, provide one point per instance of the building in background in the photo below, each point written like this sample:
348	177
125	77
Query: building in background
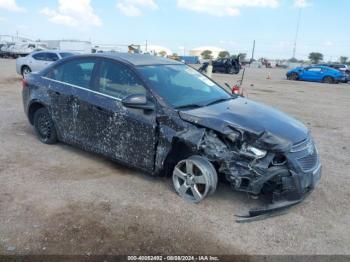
76	46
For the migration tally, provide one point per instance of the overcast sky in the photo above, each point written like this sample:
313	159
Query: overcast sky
230	24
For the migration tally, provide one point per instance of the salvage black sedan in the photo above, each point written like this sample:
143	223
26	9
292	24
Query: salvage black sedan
164	117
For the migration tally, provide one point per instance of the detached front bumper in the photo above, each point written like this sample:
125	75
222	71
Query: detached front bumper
303	186
298	185
305	173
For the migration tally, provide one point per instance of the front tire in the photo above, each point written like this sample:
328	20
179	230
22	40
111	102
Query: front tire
194	178
44	126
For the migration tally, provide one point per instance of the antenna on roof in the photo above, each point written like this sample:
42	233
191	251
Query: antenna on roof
296	33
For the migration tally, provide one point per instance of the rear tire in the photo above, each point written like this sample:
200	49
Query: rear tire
44	126
328	80
25	71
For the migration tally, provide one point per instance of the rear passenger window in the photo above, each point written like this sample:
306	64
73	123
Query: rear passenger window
51	57
40	57
118	81
76	72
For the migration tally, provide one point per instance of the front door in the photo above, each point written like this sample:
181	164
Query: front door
122	133
311	73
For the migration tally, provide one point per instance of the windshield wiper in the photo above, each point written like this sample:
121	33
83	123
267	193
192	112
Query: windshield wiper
188	106
218	101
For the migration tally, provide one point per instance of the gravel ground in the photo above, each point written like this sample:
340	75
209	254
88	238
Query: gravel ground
61	200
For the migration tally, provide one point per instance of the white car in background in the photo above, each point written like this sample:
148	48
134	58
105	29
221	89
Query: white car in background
37	61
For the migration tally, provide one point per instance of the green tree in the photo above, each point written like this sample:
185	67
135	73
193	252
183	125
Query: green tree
207	54
293	60
315	57
224	54
162	53
343	59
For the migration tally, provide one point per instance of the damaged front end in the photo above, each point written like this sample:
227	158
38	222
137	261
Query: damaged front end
263	164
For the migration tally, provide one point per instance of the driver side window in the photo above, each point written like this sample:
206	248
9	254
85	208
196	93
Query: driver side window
118	81
314	69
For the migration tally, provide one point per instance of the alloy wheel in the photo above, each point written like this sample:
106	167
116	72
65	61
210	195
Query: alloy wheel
194	179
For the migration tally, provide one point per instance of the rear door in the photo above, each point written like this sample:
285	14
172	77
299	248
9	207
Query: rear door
219	65
67	82
122	133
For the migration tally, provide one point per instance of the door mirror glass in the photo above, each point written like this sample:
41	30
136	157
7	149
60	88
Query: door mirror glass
137	101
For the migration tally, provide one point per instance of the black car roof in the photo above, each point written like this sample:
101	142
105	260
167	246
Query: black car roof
138	59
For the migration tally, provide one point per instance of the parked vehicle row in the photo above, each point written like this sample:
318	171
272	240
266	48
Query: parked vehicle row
37	61
164	117
19	49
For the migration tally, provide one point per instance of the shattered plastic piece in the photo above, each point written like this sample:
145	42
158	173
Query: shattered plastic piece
275	209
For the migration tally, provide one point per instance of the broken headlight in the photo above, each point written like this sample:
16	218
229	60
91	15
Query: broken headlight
251	151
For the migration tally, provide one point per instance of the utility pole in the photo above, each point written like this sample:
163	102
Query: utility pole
296	34
253	51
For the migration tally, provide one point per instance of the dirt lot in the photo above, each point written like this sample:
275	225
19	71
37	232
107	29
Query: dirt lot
61	200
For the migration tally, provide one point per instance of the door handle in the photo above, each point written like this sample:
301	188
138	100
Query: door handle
52	92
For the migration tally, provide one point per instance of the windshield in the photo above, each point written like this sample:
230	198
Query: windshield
181	86
63	55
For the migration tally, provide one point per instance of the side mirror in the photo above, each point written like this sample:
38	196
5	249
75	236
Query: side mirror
137	101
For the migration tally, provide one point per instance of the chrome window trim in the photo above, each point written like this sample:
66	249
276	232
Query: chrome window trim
82	88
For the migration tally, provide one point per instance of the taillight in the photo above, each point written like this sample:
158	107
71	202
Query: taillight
235	90
24	83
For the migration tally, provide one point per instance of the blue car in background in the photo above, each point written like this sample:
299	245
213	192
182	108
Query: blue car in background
317	74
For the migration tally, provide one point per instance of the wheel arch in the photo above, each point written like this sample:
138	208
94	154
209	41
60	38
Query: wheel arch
329	76
33	107
296	74
23	66
179	150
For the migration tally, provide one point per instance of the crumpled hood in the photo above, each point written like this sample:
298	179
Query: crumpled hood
246	115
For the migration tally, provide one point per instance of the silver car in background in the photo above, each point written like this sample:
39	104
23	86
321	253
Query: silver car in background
37	61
